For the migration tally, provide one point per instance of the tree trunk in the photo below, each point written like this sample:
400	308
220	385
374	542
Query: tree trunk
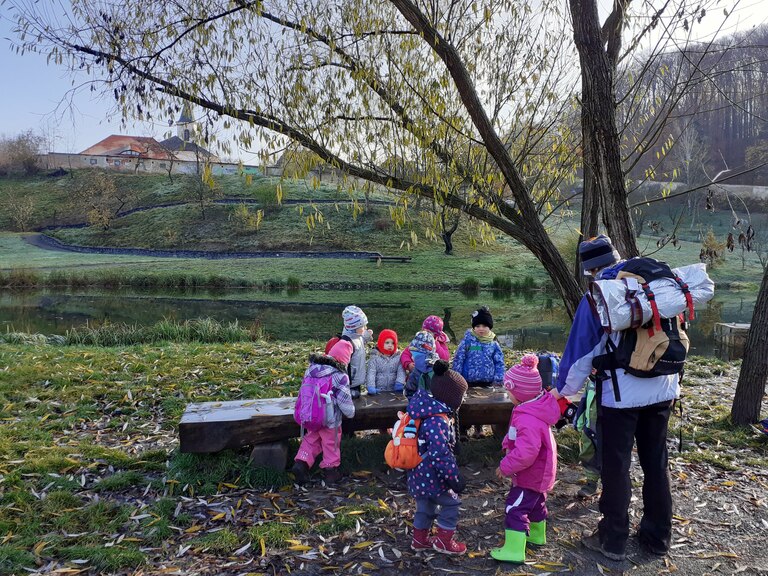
565	283
754	368
446	236
590	201
599	125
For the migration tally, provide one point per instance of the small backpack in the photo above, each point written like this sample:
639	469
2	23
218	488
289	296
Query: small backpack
657	348
309	412
402	452
549	364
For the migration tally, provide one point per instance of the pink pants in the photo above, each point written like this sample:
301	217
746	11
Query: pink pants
326	441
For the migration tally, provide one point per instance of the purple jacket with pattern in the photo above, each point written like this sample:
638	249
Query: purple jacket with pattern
436	441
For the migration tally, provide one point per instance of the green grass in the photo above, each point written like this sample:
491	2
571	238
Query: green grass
220	542
205	330
120	481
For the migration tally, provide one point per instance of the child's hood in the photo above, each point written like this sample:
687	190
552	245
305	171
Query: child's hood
423	405
323	365
544	408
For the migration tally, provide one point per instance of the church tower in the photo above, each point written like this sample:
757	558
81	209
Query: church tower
185	125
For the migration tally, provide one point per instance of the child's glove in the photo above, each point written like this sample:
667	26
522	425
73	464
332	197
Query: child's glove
457	484
398	387
567	412
372	390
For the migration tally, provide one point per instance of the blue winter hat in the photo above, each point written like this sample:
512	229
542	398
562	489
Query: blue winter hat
598	253
424	342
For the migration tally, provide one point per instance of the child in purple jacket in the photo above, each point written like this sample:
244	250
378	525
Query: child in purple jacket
530	461
436	482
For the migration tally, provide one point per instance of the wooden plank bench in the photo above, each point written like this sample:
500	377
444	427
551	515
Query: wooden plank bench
214	426
403	259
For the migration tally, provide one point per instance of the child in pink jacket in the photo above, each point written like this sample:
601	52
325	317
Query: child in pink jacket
530	461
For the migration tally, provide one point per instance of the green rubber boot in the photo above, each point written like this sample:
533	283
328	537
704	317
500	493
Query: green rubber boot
537	533
513	549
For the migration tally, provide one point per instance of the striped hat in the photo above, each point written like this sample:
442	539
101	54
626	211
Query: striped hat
597	253
523	380
354	318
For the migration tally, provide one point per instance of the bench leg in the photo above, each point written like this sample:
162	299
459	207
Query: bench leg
271	455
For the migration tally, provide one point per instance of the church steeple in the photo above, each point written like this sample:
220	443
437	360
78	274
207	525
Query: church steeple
185	125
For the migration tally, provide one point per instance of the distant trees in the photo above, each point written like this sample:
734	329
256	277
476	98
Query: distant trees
97	195
19	154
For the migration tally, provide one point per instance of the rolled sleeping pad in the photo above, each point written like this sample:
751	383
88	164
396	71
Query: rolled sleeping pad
614	301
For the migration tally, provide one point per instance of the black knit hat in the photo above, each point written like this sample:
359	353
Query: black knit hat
448	386
482	316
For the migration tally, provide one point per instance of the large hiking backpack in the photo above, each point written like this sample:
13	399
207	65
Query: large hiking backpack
402	452
548	368
310	411
656	348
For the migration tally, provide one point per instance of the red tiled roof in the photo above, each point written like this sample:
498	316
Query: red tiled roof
117	144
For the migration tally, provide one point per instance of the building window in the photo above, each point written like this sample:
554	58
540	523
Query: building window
117	162
94	161
162	164
186	135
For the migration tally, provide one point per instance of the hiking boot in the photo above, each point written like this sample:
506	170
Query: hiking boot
445	544
332	475
300	471
421	539
513	549
648	545
592	542
589	489
537	533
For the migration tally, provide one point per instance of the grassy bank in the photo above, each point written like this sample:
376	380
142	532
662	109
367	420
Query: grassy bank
92	480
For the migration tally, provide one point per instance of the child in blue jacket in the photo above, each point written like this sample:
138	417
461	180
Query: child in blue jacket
436	482
478	356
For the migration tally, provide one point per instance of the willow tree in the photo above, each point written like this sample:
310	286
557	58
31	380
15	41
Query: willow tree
479	93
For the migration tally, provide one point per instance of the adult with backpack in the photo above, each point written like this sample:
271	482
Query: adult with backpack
324	398
631	408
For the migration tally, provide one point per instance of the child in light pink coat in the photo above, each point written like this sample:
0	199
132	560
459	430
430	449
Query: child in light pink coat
530	461
327	440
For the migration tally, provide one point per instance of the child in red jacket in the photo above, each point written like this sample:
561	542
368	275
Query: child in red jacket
530	461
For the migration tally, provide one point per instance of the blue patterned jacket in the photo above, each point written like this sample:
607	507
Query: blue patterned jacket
478	361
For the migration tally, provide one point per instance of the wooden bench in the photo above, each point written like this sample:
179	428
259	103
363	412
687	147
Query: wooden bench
267	424
403	259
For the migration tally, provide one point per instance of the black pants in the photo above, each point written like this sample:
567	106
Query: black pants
620	429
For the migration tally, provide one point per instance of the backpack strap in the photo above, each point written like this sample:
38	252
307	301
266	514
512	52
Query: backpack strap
688	297
611	350
656	318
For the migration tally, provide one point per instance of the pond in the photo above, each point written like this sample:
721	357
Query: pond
528	320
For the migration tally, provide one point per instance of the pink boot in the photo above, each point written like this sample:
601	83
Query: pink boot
445	544
421	539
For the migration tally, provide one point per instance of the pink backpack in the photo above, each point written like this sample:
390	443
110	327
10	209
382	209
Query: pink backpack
309	412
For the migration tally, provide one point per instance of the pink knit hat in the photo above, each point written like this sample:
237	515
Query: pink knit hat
341	352
523	380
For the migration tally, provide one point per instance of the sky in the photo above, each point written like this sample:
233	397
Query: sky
35	95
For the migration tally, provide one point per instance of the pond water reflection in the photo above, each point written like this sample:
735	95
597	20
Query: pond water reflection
527	320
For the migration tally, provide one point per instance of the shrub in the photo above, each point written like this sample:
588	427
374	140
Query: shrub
470	286
501	284
293	283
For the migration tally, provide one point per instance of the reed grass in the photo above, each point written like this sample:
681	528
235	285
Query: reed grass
203	330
